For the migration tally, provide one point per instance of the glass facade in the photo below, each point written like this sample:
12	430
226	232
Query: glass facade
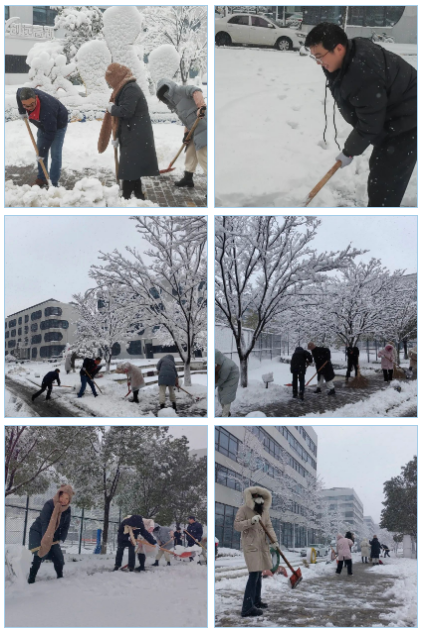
226	443
44	16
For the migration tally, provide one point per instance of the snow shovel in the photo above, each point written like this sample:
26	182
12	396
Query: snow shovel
196	399
322	182
296	576
38	547
47	177
188	137
93	381
197	542
318	371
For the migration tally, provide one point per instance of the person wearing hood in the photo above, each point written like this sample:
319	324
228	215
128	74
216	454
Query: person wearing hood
48	530
167	378
47	384
353	357
129	529
376	93
227	376
413	361
135	379
321	356
300	360
250	516
127	119
189	105
365	551
343	548
142	545
388	356
375	550
68	363
165	539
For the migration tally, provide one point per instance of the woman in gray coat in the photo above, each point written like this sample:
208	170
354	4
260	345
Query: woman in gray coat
227	376
128	118
167	377
256	550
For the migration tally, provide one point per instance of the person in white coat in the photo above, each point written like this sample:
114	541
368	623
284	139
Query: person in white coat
135	379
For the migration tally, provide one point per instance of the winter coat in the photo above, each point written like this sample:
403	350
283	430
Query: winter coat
413	358
376	92
253	538
68	363
137	145
53	115
89	367
365	549
322	355
136	522
353	354
167	373
375	548
300	360
180	100
134	375
343	547
177	539
388	356
228	378
39	527
51	377
164	537
196	530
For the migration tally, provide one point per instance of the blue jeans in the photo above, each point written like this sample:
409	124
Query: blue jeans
86	380
56	151
253	593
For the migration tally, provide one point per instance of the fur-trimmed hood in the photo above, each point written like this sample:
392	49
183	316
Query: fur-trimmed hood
265	493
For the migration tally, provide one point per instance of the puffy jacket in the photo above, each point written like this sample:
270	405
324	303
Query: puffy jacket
388	356
300	360
228	378
136	522
50	377
167	373
375	547
196	530
180	100
352	353
365	549
343	547
134	375
39	527
164	537
322	355
53	115
89	367
254	542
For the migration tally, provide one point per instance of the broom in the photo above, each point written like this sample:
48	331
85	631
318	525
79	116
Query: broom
398	373
359	380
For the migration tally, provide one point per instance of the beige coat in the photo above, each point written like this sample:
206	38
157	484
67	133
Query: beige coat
413	358
253	538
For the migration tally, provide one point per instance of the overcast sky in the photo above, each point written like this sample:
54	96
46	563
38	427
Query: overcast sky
197	435
364	457
50	256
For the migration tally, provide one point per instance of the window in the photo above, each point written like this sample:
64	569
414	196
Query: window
36	315
224	526
34	353
53	311
6	13
11	344
20	331
101	303
7	335
44	16
26	342
227	477
155	328
374	16
256	21
26	329
53	351
13	333
12	323
135	347
54	324
226	443
154	292
35	340
20	320
241	20
116	350
53	336
34	327
314	15
27	318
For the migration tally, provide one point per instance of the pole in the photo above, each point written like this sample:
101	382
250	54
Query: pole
26	520
81	531
47	177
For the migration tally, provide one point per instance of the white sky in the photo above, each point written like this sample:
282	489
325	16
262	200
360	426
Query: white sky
197	435
364	457
50	256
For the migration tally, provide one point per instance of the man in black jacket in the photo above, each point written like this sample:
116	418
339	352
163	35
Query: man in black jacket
50	116
130	528
88	371
299	362
47	384
352	354
376	92
321	356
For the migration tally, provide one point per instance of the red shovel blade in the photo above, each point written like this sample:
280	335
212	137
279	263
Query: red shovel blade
185	554
296	578
167	170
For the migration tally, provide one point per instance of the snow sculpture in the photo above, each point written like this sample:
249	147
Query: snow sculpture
49	69
93	59
164	61
122	29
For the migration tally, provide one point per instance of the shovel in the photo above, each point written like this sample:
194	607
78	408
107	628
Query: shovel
312	378
296	576
196	399
188	137
93	381
197	541
322	182
47	177
116	165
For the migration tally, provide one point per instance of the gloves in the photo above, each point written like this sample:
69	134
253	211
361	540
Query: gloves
255	519
39	158
109	107
345	160
24	116
184	138
276	545
201	111
114	143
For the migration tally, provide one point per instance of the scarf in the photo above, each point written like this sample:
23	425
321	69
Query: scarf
53	525
117	76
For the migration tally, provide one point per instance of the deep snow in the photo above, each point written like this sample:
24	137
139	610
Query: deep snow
269	148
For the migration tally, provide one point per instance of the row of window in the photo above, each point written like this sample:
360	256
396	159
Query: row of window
274	449
226	443
49	311
296	445
307	439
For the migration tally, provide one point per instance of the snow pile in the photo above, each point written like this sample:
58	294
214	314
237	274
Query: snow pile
256	413
15	407
88	192
167	412
17	561
81	24
49	69
163	62
404	588
93	59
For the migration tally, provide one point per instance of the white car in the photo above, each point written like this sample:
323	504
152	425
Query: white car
256	30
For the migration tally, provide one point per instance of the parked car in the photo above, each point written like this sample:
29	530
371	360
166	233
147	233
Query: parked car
322	550
256	30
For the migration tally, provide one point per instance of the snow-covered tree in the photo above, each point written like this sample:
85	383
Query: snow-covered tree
93	59
81	24
262	264
170	289
163	61
185	27
399	321
49	70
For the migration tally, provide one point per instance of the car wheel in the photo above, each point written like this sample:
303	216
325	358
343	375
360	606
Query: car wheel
284	43
223	39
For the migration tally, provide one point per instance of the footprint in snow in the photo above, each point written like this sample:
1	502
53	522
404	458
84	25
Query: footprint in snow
292	124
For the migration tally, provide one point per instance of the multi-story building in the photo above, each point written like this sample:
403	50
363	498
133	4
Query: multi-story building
282	459
345	503
370	525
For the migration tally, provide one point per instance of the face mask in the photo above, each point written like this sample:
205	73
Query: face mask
259	500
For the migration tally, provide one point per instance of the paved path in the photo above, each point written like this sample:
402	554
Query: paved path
329	600
160	190
41	408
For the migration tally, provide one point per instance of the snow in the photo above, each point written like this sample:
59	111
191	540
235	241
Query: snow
94	592
15	407
93	59
49	69
163	62
404	588
269	108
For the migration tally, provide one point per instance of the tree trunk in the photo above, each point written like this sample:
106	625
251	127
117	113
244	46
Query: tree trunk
106	524
244	372
187	375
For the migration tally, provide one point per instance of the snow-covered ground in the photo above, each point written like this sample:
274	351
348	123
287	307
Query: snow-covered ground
269	148
15	407
112	401
90	595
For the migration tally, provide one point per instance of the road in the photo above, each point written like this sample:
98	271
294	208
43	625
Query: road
41	408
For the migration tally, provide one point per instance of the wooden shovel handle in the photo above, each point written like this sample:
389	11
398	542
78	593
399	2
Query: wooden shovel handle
279	548
197	542
188	137
318	370
47	177
116	164
323	181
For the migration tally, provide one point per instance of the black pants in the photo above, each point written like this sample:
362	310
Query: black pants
364	559
55	555
253	592
297	376
120	553
44	387
142	558
136	395
391	167
386	554
388	375
348	564
352	364
133	186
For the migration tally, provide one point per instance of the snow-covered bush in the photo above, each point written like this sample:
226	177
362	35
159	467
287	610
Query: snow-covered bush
163	62
93	59
49	69
82	24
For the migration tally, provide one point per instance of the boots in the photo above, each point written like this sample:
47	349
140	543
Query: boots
254	612
141	557
174	405
156	563
318	390
40	183
186	180
168	563
302	396
36	563
332	392
162	406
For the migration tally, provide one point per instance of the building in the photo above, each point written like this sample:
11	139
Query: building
345	502
370	526
282	459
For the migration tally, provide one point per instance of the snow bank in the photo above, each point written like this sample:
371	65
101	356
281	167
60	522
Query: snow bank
88	192
404	588
17	561
49	69
93	59
163	62
256	413
15	407
167	412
